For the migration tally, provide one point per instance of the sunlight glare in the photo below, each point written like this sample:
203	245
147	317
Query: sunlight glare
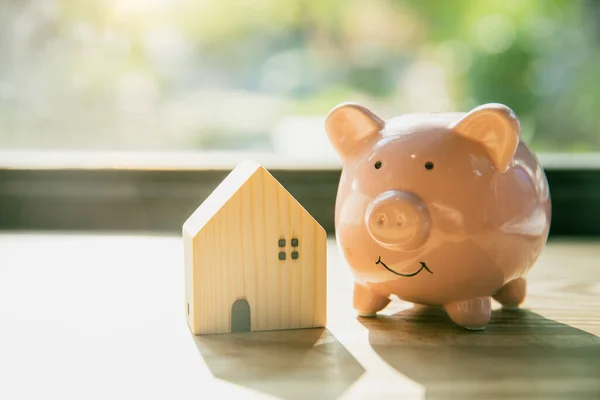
136	7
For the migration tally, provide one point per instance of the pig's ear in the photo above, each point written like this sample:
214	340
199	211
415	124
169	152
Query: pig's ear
494	126
351	127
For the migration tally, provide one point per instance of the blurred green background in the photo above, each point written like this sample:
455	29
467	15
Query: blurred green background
262	74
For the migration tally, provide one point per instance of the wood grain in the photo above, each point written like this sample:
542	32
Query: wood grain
87	316
231	246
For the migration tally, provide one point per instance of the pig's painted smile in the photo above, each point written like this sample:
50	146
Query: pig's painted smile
423	266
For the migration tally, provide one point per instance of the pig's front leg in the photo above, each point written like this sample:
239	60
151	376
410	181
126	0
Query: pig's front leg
473	314
366	302
512	294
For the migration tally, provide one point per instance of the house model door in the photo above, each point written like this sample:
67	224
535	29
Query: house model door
240	316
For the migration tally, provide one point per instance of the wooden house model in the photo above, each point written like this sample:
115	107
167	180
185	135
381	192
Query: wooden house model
255	259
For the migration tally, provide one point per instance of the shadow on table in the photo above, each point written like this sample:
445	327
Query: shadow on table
294	364
520	353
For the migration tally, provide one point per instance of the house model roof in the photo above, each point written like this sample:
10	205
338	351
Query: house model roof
236	179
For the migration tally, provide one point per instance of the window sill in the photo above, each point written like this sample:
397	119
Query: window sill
156	192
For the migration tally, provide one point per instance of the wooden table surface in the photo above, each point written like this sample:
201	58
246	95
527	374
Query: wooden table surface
95	317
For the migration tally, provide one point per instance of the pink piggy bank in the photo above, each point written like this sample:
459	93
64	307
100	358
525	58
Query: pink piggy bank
444	210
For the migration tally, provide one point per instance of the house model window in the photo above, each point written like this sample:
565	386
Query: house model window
282	254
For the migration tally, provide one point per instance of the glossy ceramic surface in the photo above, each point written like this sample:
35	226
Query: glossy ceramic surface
438	209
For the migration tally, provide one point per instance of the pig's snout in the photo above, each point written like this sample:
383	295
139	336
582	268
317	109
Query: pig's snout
398	220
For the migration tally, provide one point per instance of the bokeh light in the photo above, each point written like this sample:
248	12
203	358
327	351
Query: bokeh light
235	74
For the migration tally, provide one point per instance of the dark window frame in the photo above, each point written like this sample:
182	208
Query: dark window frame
116	197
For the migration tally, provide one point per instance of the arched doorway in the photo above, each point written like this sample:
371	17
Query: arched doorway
240	316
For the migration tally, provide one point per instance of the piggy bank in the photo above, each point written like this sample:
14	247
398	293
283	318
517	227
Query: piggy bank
448	209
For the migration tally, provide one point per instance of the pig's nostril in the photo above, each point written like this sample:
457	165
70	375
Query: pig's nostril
381	219
399	220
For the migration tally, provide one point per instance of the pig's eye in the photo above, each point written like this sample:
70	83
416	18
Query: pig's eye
429	165
378	165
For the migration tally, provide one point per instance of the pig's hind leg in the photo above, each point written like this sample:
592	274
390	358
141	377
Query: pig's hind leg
512	294
366	302
473	314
